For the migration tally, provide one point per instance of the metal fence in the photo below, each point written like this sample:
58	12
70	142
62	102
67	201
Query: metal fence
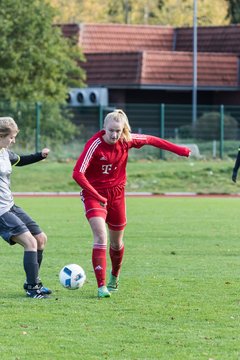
215	133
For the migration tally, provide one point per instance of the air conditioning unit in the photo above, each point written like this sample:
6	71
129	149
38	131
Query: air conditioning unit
87	96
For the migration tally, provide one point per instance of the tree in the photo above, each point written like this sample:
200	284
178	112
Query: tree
180	12
208	127
152	12
37	64
233	13
79	11
36	61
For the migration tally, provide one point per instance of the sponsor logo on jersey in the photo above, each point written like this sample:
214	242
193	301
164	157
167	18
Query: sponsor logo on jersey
106	168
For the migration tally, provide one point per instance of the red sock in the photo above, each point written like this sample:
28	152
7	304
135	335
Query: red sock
99	262
116	258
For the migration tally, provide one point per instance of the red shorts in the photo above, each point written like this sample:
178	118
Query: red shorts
114	213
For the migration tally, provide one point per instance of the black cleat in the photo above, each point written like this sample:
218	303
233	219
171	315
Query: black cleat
35	292
42	288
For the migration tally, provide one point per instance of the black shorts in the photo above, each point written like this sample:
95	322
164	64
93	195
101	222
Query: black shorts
16	222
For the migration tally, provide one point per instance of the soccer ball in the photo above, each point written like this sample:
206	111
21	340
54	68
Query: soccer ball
72	276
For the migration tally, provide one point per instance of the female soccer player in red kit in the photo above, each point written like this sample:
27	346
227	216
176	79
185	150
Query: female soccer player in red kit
101	173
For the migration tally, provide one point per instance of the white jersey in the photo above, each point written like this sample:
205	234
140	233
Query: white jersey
7	159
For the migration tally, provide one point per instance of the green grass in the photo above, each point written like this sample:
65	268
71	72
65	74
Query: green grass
159	176
179	294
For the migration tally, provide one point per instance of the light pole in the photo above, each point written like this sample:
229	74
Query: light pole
194	89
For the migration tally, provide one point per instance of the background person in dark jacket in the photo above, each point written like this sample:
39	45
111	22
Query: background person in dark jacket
236	166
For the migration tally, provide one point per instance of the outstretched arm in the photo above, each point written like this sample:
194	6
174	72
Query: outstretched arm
236	167
139	140
22	160
30	159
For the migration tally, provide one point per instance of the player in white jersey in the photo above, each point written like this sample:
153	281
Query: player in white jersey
16	226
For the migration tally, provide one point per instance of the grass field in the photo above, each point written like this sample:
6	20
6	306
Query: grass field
179	294
157	176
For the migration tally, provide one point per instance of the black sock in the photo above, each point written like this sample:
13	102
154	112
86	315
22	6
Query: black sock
39	257
31	267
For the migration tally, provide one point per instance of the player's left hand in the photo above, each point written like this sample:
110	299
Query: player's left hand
45	152
187	151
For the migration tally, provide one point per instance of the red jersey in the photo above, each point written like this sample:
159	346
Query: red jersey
102	165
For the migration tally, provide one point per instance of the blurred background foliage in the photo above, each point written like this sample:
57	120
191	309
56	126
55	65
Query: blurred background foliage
151	12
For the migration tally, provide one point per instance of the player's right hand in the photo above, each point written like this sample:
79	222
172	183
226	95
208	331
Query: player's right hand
103	204
103	201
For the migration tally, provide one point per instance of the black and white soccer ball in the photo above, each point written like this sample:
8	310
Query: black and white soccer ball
72	276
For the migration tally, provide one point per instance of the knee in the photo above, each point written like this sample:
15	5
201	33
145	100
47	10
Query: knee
41	240
26	240
100	237
29	242
117	245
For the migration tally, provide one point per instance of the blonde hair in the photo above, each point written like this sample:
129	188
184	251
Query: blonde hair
119	115
7	126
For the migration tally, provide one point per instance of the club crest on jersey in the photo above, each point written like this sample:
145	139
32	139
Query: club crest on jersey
106	168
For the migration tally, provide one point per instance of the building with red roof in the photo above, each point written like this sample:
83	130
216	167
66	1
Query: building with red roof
154	64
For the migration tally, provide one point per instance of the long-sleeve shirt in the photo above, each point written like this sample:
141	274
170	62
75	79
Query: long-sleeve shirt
7	160
102	165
